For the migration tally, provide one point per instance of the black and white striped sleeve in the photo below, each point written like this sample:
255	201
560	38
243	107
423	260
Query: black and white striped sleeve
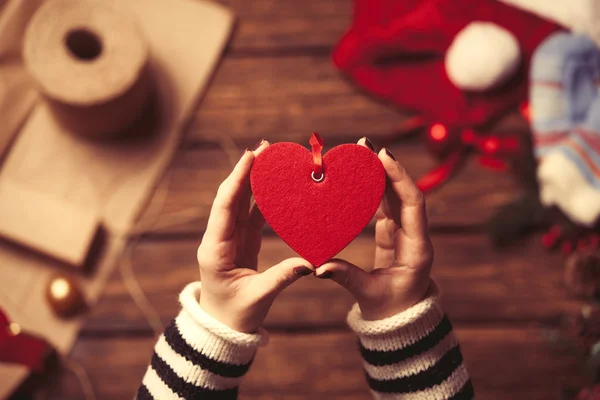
412	355
198	357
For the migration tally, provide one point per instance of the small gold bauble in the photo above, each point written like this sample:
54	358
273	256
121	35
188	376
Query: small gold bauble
65	296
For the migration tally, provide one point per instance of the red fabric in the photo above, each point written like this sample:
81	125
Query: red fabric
413	36
22	348
589	393
317	219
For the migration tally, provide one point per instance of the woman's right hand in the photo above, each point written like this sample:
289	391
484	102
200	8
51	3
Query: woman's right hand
233	292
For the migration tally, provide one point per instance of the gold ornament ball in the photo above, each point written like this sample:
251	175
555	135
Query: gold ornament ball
64	296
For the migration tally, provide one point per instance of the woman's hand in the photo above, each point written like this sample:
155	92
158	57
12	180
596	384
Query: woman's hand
403	252
233	291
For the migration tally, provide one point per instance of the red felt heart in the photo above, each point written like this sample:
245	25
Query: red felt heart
317	219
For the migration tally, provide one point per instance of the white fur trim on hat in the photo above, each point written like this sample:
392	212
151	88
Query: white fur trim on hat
482	56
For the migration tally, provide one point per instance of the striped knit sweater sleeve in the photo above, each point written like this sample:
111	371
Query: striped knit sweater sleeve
412	355
198	357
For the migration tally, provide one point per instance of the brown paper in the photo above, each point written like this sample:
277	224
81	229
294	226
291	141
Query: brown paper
17	95
116	180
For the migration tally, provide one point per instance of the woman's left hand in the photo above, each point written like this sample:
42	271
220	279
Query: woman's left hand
399	277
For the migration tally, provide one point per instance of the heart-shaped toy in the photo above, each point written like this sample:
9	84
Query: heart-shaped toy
317	218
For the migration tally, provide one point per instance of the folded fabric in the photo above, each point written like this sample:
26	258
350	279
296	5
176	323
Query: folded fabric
396	50
565	111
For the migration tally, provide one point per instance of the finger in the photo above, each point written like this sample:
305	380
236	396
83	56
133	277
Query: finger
245	198
364	141
385	248
385	243
252	222
412	211
243	206
256	220
252	216
390	205
247	255
347	275
282	275
224	211
260	147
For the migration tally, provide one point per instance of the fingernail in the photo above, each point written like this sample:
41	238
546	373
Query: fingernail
257	145
369	144
245	151
390	155
302	271
325	275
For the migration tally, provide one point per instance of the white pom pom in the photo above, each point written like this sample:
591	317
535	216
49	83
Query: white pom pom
482	56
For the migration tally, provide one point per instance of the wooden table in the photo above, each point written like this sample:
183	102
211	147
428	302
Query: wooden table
277	81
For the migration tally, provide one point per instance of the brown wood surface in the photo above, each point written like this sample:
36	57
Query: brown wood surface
277	81
279	26
480	284
288	97
196	173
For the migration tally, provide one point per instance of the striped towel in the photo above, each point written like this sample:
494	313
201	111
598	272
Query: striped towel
565	104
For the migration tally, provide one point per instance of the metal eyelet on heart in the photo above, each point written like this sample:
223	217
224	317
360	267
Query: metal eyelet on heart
319	179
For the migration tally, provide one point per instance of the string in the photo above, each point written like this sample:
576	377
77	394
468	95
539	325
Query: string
148	226
82	376
130	281
126	270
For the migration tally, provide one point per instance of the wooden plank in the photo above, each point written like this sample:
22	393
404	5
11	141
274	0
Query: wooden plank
480	284
327	365
287	98
471	198
272	26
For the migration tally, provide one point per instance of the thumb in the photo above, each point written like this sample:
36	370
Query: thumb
347	275
282	275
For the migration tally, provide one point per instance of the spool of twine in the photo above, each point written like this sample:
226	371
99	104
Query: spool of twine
90	63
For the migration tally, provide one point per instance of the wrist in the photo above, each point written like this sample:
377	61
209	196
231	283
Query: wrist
190	299
396	304
420	317
222	311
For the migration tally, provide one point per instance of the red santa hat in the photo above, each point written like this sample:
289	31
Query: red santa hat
457	62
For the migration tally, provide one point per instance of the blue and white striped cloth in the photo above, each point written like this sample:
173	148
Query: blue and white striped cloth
565	111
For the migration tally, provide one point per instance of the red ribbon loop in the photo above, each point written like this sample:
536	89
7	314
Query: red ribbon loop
442	173
492	150
17	347
316	142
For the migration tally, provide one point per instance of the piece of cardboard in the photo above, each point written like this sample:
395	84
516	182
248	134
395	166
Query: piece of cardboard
47	224
186	38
